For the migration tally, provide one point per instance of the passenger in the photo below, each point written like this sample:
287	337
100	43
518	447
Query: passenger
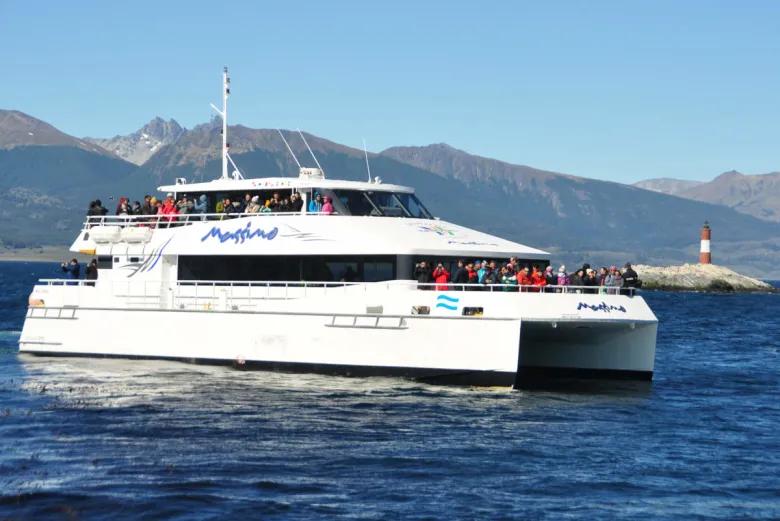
538	279
284	206
609	277
422	274
185	206
245	204
296	202
461	276
146	208
473	276
72	271
327	208
576	279
509	278
202	206
99	209
220	206
617	282
254	205
563	279
91	272
169	210
441	277
481	271
630	278
315	205
136	209
122	201
229	209
551	278
275	202
524	279
266	208
491	277
591	282
602	275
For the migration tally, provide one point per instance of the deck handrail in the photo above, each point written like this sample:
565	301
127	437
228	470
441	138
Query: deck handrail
165	221
386	285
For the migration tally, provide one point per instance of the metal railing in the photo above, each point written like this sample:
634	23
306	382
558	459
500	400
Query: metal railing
174	220
238	295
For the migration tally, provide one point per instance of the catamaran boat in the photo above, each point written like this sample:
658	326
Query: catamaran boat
332	293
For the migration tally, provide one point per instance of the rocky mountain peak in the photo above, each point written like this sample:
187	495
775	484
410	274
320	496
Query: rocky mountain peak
139	146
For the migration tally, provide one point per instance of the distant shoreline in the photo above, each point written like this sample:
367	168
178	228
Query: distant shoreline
44	254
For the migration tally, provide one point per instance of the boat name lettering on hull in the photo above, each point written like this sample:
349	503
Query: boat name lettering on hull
240	235
601	307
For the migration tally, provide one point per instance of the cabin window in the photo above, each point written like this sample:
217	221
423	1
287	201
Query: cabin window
376	203
415	207
472	311
105	262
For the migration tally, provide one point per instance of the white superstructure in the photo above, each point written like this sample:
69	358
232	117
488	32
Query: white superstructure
335	294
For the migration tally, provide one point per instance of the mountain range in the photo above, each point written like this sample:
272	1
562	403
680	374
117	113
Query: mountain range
47	179
756	195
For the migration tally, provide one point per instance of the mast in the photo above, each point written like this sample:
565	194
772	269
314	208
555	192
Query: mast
225	144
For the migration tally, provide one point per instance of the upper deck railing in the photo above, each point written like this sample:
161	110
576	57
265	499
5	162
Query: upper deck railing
171	221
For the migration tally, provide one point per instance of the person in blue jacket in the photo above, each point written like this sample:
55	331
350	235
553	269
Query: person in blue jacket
315	205
72	271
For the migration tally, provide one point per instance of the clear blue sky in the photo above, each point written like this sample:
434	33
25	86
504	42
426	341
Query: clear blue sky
618	90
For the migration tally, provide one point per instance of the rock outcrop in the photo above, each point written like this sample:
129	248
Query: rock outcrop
699	277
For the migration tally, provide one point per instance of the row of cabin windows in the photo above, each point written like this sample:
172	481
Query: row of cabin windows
304	268
322	268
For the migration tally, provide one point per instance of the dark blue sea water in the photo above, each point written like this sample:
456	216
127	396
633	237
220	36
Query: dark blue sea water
114	439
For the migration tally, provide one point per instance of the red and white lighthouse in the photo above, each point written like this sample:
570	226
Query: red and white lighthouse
705	257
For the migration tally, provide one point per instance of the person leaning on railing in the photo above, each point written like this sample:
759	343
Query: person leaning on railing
201	206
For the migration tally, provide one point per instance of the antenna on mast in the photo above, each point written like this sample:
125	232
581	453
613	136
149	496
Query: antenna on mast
365	150
310	152
223	113
288	148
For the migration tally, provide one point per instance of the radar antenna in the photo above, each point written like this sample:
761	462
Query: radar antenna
223	113
288	148
310	152
368	168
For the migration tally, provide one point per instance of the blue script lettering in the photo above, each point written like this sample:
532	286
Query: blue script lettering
241	234
601	307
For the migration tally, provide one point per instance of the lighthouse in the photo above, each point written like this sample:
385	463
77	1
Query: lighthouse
705	257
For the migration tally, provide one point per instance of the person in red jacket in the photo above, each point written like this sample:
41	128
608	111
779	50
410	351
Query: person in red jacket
524	279
538	279
473	277
441	277
169	210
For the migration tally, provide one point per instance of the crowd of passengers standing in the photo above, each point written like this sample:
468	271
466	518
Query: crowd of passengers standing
511	276
169	208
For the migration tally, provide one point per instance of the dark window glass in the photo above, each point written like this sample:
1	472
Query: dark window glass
388	204
415	207
356	202
314	268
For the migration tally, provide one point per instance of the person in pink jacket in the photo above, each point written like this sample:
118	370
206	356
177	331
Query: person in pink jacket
327	208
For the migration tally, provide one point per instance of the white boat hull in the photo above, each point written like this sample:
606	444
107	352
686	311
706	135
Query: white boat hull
528	335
